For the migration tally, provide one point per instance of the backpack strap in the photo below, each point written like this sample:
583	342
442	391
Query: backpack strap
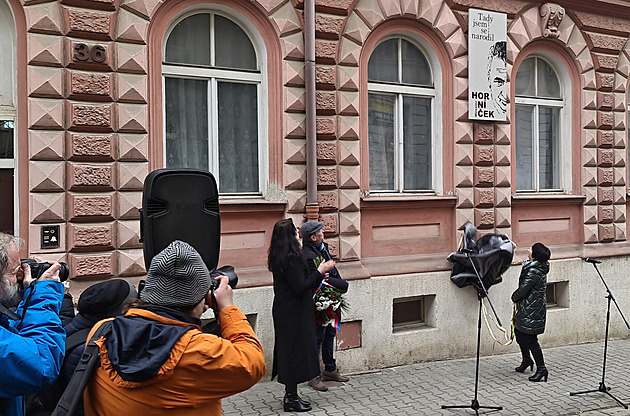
76	339
73	394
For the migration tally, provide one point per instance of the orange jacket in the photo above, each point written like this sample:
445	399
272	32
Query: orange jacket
201	369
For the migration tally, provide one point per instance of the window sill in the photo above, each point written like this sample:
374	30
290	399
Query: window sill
548	198
249	203
407	197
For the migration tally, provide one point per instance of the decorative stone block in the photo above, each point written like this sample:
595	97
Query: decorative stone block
619	139
129	204
84	147
91	207
619	177
350	247
619	195
503	176
84	266
349	199
484	218
605	81
293	47
589	176
483	176
503	154
328	200
296	201
483	133
293	74
484	155
465	197
142	8
295	176
133	147
463	217
605	100
284	18
325	102
590	233
463	176
590	194
464	154
46	176
131	58
461	110
326	127
328	27
619	158
88	24
294	125
130	27
446	23
128	235
349	153
460	87
606	232
326	52
45	114
331	223
47	207
370	12
84	117
348	127
606	214
45	50
457	44
333	247
44	18
325	77
429	11
589	157
107	5
350	53
589	119
83	177
295	151
89	55
327	177
90	86
589	138
503	197
45	82
590	99
463	133
484	198
503	217
588	78
620	232
620	214
294	100
605	195
605	177
349	177
348	103
347	78
91	237
350	223
131	88
46	145
590	214
132	118
131	263
326	153
131	175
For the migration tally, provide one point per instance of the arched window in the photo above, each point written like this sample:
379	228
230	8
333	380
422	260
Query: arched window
8	113
401	118
540	113
212	89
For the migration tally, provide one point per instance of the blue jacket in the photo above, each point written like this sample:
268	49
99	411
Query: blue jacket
31	349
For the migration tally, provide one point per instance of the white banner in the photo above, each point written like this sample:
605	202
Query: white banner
487	65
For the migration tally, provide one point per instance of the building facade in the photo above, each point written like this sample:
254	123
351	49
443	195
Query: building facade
356	115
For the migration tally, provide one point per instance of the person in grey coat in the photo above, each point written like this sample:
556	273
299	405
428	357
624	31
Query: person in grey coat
531	309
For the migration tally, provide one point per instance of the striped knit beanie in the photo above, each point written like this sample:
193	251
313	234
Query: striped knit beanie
177	278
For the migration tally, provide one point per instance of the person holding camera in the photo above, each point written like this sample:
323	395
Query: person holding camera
32	337
295	357
315	251
156	359
531	309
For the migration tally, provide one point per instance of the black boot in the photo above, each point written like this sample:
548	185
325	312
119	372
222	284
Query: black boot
293	403
541	370
526	361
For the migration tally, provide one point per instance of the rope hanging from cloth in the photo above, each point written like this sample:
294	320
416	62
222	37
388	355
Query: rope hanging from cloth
509	338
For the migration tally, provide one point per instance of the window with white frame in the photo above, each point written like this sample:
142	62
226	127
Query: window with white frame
212	101
8	114
402	122
542	156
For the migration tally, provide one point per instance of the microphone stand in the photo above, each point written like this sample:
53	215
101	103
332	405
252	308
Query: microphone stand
602	385
474	405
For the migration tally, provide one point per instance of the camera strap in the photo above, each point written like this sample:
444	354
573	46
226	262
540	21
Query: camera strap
9	313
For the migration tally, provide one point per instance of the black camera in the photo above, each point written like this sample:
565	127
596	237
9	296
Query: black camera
37	269
223	271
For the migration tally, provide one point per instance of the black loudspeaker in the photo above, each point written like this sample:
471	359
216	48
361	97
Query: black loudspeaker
181	204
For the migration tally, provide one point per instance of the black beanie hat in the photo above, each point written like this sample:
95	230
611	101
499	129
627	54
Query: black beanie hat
105	299
540	252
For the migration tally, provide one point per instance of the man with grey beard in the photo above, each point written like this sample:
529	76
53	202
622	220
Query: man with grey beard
32	340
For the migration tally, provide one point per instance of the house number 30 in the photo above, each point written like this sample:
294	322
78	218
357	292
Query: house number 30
86	53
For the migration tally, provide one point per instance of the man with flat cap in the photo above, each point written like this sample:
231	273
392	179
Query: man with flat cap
156	360
314	248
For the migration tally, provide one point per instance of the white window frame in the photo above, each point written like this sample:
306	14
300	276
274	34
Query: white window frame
8	112
564	141
215	75
400	91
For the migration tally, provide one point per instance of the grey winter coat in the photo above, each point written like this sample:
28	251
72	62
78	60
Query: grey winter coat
531	298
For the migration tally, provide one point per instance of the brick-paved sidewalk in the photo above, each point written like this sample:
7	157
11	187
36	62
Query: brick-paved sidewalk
422	389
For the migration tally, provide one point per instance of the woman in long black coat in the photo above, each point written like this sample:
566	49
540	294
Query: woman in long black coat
531	309
295	357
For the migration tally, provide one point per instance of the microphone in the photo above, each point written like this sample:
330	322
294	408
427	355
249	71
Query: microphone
592	261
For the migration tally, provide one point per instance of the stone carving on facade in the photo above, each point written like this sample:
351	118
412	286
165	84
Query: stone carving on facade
551	15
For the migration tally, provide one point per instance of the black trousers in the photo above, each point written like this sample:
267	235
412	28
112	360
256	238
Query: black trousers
527	343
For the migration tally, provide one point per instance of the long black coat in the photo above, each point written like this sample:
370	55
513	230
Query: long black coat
531	298
295	357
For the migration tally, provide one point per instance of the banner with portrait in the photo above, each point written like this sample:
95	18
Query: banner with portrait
487	65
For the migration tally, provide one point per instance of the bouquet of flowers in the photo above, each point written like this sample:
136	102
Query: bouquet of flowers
329	302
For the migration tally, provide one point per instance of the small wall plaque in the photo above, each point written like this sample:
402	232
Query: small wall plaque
50	236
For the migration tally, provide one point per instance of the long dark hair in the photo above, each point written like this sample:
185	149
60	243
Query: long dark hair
283	246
